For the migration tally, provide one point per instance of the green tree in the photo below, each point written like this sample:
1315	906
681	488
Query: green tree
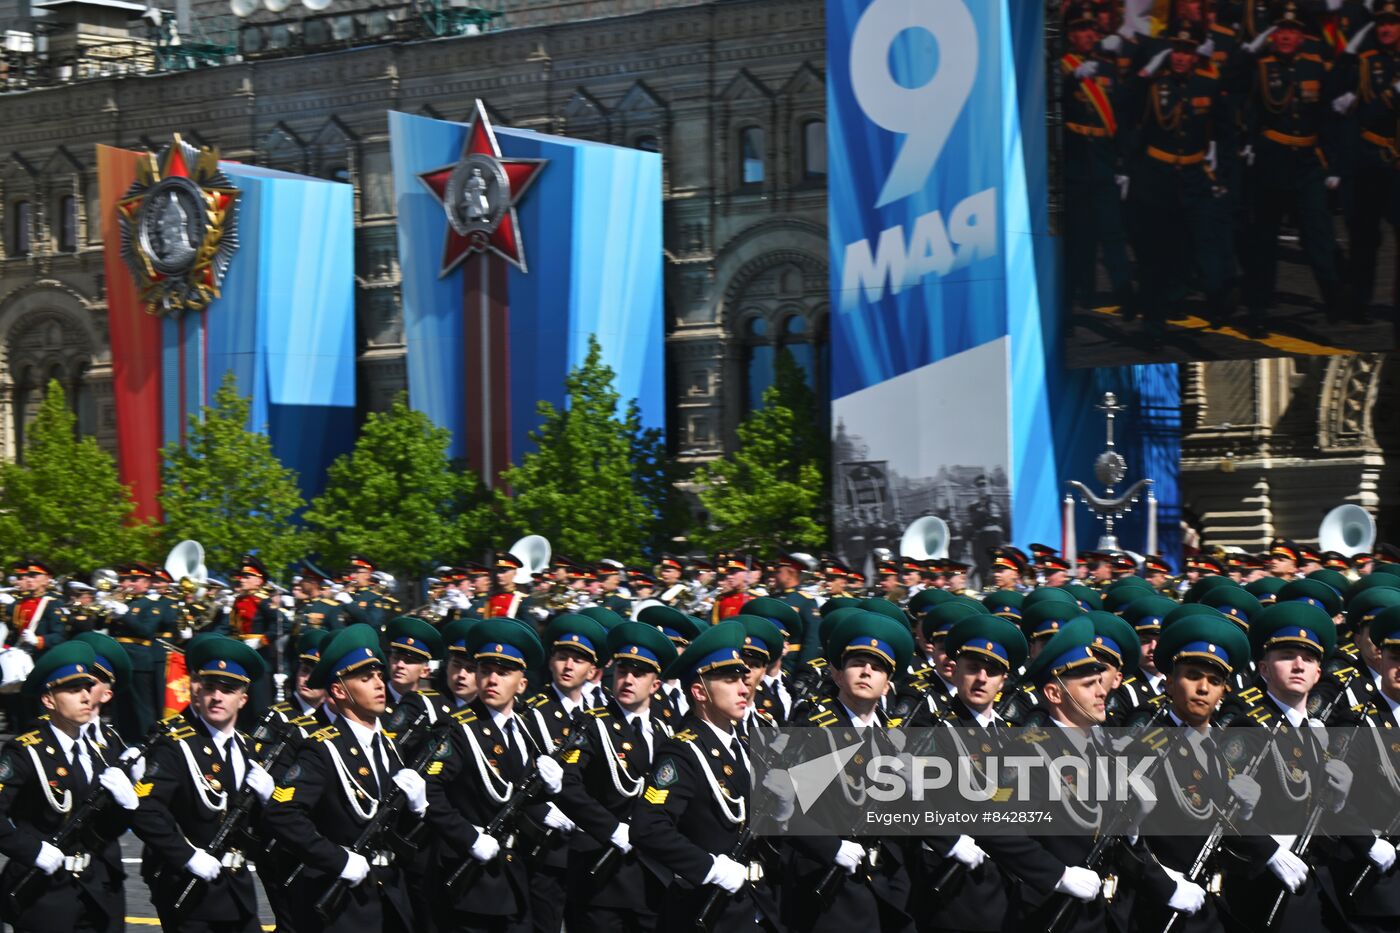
225	488
578	488
396	498
655	476
770	493
65	504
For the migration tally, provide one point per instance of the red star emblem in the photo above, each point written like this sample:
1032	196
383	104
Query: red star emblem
479	193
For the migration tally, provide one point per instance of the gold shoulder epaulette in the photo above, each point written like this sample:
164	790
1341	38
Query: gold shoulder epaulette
1251	695
538	700
428	692
823	717
685	735
303	721
283	707
598	712
182	733
326	734
464	715
29	738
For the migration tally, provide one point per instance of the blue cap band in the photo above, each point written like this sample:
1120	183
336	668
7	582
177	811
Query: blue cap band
1008	612
871	645
409	643
355	660
577	641
988	648
501	651
776	624
1109	646
219	667
1296	635
61	675
725	657
1077	656
1048	627
103	665
638	653
1147	622
310	654
458	645
1203	651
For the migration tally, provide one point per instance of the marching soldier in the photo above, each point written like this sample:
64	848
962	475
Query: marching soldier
603	783
733	590
503	601
977	896
45	775
192	774
320	609
763	648
367	604
694	806
256	620
803	637
482	768
459	670
1377	185
681	629
772	694
37	619
1093	164
1293	162
413	645
148	618
341	776
305	700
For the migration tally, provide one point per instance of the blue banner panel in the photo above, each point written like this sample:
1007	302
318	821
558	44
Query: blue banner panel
590	224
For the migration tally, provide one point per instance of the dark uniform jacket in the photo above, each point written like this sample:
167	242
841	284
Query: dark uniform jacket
39	790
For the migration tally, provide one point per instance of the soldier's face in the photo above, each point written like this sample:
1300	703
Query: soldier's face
1388	33
218	701
1082	39
498	685
33	582
405	670
363	691
461	677
70	703
247	582
101	693
670	576
1291	672
1286	39
309	696
978	680
505	577
957	581
1390	673
836	585
1112	677
1056	578
725	695
1149	644
1004	576
1367	648
1195	691
788	578
1078	700
862	678
633	684
570	669
758	666
1189	10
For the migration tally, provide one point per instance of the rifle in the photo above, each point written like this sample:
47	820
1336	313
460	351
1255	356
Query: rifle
390	805
93	804
469	870
236	817
718	897
1111	833
1369	868
1217	833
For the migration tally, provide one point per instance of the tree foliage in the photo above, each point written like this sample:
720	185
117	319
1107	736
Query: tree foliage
581	487
65	503
225	488
770	493
398	499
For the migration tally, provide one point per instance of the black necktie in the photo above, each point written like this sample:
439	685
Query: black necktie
80	779
741	758
512	745
377	744
643	760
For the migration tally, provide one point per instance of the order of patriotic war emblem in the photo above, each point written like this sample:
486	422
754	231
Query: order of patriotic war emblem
478	194
179	227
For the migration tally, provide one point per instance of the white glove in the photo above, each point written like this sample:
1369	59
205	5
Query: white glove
1188	897
260	782
118	608
1354	45
485	848
459	600
7	600
1331	182
554	818
1246	791
1247	153
622	838
288	602
356	868
414	788
1210	156
1338	773
1206	48
186	633
1343	103
1079	883
1122	182
967	852
119	786
1382	854
344	598
727	873
1287	867
50	857
1154	63
1254	45
848	856
203	866
29	637
778	782
1111	43
135	763
1087	70
551	772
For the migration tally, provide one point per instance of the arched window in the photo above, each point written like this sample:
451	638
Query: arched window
68	224
798	335
19	228
751	168
814	150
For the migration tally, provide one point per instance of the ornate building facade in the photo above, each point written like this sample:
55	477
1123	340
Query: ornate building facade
730	93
